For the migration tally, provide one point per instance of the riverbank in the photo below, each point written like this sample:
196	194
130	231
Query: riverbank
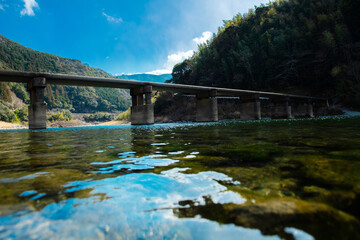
7	125
79	123
59	124
160	119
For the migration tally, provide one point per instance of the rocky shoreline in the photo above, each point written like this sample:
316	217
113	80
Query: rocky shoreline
61	124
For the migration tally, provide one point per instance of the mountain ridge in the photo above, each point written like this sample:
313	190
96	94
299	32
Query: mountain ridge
145	77
14	56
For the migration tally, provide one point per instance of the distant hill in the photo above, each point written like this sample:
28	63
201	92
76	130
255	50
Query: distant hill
14	56
17	57
147	77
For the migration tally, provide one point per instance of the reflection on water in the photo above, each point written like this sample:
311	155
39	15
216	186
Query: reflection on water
288	179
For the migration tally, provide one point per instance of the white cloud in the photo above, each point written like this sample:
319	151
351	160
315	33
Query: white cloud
1	7
130	73
172	60
180	56
175	58
29	6
160	72
112	19
204	37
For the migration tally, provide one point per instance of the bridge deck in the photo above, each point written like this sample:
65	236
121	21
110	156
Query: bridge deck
73	80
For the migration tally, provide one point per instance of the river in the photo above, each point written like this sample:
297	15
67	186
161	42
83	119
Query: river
269	179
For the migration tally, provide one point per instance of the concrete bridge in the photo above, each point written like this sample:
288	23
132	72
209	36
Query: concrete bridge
142	110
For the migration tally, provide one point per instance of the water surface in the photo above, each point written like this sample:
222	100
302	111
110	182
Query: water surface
286	179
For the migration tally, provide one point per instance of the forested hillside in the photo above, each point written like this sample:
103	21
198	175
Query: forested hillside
14	56
298	46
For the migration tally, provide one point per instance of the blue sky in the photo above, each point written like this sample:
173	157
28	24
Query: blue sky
118	36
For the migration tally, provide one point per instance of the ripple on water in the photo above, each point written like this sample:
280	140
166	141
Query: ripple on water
126	154
176	153
133	201
135	163
28	193
27	177
82	201
159	144
38	196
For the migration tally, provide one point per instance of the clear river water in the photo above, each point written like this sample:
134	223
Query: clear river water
278	179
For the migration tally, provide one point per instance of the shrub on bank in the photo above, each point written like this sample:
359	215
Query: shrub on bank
98	117
9	115
22	114
64	115
6	114
124	116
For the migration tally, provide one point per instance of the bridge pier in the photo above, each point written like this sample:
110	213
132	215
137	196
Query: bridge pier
288	109
206	107
142	114
281	108
304	109
321	108
299	109
250	108
37	108
310	109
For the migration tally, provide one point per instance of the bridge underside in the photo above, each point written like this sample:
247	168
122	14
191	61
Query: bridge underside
142	113
142	109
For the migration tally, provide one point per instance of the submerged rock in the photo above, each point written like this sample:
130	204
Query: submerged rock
321	221
274	216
